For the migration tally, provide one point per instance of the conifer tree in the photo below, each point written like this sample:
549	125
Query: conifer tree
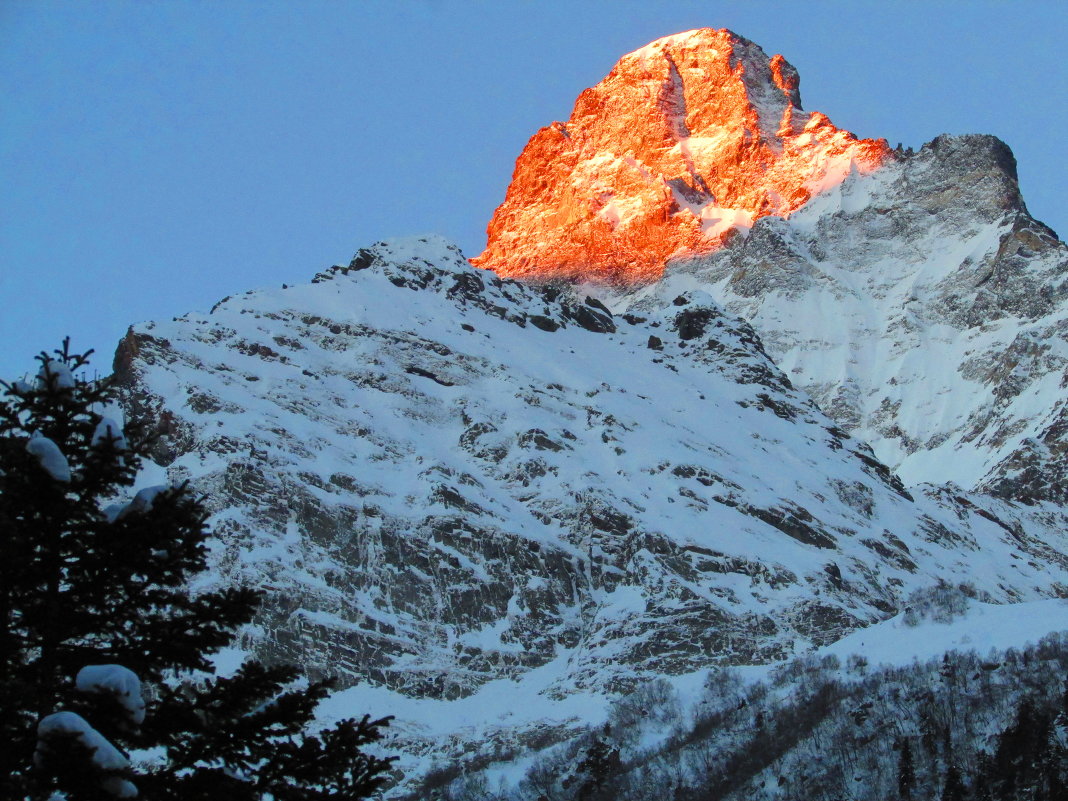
1056	763
954	789
1016	768
94	600
906	771
596	770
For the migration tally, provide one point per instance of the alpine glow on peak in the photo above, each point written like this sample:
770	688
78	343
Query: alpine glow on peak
685	140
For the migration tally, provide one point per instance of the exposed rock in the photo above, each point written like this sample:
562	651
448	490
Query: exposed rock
686	141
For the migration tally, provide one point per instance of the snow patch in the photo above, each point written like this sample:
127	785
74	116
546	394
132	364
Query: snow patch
104	755
107	432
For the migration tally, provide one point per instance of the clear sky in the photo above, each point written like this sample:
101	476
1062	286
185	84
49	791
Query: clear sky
156	156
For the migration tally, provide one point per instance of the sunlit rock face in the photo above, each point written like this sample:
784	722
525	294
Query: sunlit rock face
910	293
686	140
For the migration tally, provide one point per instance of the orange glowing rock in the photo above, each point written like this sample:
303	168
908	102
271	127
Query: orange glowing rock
685	140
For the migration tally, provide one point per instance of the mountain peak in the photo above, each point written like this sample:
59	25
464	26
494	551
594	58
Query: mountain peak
687	139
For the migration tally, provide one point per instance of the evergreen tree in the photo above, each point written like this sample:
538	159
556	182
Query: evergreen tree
906	771
982	787
1056	764
595	771
954	789
94	599
1019	753
928	724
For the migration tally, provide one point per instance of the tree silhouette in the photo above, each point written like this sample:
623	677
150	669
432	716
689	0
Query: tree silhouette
94	599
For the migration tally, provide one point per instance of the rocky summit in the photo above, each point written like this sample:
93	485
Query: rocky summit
686	141
762	385
911	293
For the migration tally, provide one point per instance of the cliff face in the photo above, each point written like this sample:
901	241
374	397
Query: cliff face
443	478
686	140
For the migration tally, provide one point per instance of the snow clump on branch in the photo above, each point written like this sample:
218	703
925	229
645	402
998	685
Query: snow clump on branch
117	681
49	456
56	374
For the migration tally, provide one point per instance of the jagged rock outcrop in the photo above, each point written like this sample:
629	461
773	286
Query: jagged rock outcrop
686	141
923	308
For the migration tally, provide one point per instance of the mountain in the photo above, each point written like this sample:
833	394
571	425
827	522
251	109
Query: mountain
910	293
648	458
923	308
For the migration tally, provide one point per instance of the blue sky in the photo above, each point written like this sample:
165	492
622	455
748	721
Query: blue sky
156	156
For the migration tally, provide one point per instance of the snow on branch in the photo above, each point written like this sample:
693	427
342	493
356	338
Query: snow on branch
54	373
49	456
104	756
108	431
117	681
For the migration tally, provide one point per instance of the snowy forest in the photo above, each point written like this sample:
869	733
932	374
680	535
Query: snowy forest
991	727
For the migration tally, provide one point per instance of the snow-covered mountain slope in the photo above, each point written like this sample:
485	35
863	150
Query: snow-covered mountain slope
443	478
923	309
